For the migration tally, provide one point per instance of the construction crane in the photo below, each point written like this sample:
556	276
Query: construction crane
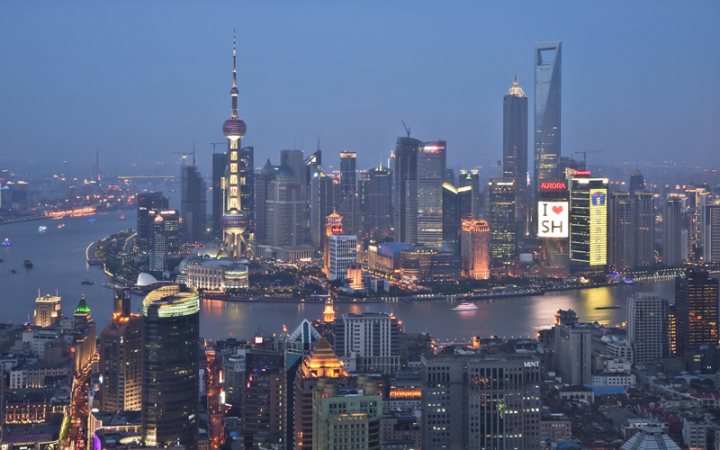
585	153
407	128
184	156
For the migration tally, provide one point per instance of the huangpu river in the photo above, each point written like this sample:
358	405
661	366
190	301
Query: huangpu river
58	256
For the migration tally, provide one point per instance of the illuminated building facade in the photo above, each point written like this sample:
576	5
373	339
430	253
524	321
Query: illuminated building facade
472	178
475	249
553	227
515	149
264	400
368	342
588	222
342	253
431	162
219	165
696	306
548	88
322	362
120	348
466	405
347	418
235	222
355	277
333	227
170	385
419	263
501	215
164	239
48	311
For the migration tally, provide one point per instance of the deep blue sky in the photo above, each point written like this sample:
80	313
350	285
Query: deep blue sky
137	81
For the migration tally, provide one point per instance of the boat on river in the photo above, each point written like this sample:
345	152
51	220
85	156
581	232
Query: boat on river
466	306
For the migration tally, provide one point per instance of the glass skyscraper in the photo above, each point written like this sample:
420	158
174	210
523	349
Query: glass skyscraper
515	151
548	87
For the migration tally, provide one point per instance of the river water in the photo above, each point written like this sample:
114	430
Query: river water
58	257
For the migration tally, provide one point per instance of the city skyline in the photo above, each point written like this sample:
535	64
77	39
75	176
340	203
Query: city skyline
170	90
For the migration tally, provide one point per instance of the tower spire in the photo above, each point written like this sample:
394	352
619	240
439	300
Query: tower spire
234	89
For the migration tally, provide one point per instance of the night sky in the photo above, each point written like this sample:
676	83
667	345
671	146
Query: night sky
138	81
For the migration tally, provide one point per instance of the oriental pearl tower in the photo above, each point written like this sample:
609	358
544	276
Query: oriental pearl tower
236	240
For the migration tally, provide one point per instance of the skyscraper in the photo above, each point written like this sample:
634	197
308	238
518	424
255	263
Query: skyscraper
286	211
405	190
120	349
475	249
264	410
164	238
192	203
368	342
236	239
711	233
472	178
377	209
262	184
647	328
466	401
672	232
48	311
348	173
621	228
219	164
696	304
515	152
553	227
501	214
322	201
644	233
342	253
588	222
457	205
148	203
333	226
548	88
170	386
246	175
431	161
637	182
572	345
294	159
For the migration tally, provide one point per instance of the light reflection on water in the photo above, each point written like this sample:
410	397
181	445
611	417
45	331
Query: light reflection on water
59	262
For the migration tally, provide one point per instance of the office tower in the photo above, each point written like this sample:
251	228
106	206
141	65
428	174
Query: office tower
170	385
457	205
322	362
430	178
696	304
466	398
672	232
573	349
672	329
588	222
515	151
262	184
644	232
647	328
348	174
621	231
285	211
120	348
246	175
697	199
235	223
472	178
368	342
48	311
423	264
475	249
294	160
148	203
165	238
333	226
711	233
553	227
264	408
347	418
501	214
82	315
322	199
192	204
377	205
405	190
313	163
219	163
548	88
342	253
637	182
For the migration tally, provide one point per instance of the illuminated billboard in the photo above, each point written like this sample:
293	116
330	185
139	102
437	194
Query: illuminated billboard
553	219
598	227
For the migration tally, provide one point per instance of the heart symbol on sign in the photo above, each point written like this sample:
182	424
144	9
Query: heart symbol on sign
557	209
